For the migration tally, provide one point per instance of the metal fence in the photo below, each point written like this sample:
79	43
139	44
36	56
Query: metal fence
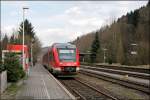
3	81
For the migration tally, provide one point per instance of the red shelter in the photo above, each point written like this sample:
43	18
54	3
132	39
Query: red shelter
18	49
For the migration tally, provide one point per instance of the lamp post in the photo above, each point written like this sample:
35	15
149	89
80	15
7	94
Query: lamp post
24	8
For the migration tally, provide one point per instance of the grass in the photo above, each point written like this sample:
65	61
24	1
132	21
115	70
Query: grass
10	92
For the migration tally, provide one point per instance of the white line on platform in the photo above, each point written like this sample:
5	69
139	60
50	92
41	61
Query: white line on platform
45	87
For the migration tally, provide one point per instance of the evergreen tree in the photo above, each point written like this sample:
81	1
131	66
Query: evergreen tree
5	42
133	17
12	39
28	29
29	34
29	37
15	38
18	40
1	66
94	48
13	67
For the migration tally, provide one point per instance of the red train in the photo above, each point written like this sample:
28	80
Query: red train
62	59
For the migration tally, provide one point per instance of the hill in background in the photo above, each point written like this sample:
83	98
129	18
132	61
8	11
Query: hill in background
129	33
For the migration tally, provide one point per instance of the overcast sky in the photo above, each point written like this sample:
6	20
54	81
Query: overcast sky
63	21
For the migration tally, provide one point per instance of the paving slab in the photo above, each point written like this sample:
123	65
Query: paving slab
42	85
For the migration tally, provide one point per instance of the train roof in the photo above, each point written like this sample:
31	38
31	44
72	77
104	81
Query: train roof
64	45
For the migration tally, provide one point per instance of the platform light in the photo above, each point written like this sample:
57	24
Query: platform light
24	8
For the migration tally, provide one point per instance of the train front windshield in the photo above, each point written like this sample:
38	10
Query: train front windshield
67	55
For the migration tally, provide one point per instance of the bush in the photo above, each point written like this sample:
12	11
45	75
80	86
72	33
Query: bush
1	66
13	67
110	61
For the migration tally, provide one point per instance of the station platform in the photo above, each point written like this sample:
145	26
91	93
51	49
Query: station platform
40	84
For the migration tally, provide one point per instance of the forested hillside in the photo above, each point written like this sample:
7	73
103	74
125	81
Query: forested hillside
129	33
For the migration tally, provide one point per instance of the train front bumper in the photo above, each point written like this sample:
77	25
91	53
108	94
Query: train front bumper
66	70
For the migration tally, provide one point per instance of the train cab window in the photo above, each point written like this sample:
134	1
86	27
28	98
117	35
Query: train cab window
67	54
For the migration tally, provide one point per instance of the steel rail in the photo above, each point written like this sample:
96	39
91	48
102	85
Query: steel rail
87	85
118	71
101	92
76	92
120	82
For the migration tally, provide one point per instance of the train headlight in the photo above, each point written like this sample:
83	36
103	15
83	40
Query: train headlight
77	68
61	63
75	63
58	69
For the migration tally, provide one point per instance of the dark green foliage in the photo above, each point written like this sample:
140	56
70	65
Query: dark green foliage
109	60
5	41
28	29
94	48
29	37
93	57
13	67
1	66
133	17
12	39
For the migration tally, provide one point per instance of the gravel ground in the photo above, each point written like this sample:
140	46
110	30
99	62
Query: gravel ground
84	90
119	91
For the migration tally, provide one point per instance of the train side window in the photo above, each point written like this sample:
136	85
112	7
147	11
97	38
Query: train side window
51	56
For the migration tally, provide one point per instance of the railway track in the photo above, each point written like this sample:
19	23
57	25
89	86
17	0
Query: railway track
119	71
121	67
84	91
141	87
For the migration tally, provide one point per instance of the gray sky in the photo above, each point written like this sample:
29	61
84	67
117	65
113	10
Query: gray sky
63	21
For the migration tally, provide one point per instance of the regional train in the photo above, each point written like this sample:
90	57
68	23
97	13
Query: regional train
62	59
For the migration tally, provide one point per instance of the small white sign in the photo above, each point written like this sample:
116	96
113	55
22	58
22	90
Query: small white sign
133	52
